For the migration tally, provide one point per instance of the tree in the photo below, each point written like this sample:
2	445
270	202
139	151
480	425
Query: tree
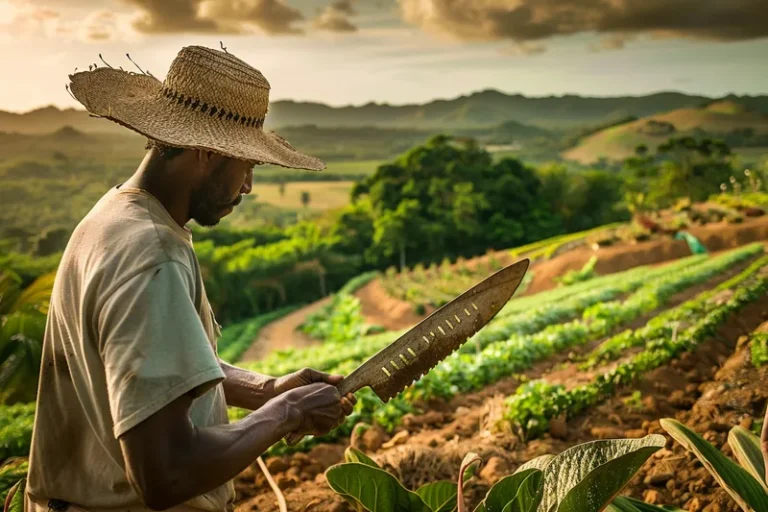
305	198
393	228
281	188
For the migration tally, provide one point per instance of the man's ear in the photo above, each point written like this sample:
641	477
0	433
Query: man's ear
204	157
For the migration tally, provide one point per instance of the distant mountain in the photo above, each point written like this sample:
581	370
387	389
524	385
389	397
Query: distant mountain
491	107
736	123
482	109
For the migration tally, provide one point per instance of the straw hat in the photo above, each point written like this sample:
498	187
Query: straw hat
209	100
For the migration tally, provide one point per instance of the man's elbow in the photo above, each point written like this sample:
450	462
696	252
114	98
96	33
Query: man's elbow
160	492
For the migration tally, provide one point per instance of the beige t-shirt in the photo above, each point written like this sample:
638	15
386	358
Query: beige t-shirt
129	330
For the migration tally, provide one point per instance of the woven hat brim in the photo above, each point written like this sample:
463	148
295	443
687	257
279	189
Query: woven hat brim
136	101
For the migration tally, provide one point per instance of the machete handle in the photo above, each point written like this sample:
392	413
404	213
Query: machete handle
349	385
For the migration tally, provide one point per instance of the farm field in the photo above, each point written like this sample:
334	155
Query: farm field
606	358
323	195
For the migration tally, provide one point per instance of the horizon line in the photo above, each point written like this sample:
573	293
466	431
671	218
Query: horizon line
444	99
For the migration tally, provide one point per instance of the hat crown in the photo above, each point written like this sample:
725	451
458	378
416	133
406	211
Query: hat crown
218	80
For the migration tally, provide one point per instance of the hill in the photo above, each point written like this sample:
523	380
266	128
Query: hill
732	121
481	109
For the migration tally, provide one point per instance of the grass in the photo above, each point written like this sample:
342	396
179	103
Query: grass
323	195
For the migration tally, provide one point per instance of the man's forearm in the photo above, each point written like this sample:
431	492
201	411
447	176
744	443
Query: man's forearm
246	389
212	456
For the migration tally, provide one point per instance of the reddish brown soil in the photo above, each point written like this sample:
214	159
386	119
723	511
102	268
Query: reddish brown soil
696	389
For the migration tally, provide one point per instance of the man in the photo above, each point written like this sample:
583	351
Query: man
131	407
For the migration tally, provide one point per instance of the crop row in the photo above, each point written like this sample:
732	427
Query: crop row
535	403
667	323
465	372
522	316
549	313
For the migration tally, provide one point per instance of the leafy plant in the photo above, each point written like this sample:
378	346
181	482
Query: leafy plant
22	326
743	481
759	348
11	472
584	478
577	276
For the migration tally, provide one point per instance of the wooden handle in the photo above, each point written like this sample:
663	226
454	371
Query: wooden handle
351	384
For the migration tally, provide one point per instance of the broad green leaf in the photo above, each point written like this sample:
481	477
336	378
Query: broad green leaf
626	504
746	448
372	488
529	494
539	462
587	476
742	486
355	455
505	490
14	501
439	496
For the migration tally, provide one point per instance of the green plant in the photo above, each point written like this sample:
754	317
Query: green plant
11	472
577	276
634	401
745	482
584	478
759	348
22	325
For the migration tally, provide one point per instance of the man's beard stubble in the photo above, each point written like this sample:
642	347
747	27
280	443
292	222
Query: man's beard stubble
209	200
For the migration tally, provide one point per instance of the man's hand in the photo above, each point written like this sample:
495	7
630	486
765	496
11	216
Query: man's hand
304	377
308	376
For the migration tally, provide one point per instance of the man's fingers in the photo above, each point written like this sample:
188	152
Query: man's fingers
346	406
352	398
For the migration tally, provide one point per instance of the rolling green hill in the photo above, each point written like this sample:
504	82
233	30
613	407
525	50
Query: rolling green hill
479	109
743	129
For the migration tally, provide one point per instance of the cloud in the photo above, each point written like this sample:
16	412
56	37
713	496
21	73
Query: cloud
615	42
21	20
220	16
536	20
335	17
99	26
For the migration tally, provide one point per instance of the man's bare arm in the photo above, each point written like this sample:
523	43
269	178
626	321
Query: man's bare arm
246	389
251	390
169	460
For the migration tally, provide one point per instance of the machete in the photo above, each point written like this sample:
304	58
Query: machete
413	354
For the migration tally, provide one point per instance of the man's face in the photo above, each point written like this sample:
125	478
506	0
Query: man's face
220	189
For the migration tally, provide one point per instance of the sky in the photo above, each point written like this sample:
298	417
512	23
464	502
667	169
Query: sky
353	52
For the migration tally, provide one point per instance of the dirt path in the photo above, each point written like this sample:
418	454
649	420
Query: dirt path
283	333
432	445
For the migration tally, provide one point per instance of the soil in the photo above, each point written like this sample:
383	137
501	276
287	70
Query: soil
698	389
283	333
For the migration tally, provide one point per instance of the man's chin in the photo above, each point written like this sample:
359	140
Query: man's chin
207	222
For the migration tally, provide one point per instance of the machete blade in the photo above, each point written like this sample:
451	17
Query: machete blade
407	359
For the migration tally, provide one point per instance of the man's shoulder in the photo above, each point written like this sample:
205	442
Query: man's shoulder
123	230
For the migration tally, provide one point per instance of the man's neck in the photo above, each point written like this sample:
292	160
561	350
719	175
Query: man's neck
153	177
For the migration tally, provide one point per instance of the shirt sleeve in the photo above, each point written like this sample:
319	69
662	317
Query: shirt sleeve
153	345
